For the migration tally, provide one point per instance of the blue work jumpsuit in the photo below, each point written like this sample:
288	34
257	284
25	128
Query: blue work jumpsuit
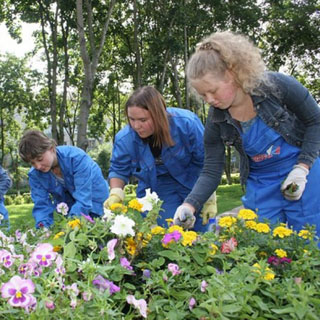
287	117
5	184
173	175
83	187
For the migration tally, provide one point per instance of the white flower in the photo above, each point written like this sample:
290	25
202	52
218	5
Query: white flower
108	215
123	226
1	217
148	200
62	208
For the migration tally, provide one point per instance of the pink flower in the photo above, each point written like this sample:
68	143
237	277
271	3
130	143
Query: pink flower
103	284
140	304
60	268
44	254
50	305
88	218
229	245
173	236
19	291
192	303
174	269
125	263
110	246
204	285
87	296
6	258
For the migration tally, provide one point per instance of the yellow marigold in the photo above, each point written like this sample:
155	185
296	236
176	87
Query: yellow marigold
214	249
144	238
58	235
118	207
269	275
247	214
280	253
262	228
305	234
251	225
227	221
57	248
74	223
189	237
175	228
282	232
157	230
130	246
135	204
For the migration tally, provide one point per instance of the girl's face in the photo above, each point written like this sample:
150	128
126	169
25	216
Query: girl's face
46	161
141	122
219	92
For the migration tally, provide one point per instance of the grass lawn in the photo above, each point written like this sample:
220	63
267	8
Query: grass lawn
228	197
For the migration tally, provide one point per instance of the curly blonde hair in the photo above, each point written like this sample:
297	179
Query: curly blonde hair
226	50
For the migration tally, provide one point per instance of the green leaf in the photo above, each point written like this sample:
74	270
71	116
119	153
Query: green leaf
69	250
231	308
283	311
173	256
157	263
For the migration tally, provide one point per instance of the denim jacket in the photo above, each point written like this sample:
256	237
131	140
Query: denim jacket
291	111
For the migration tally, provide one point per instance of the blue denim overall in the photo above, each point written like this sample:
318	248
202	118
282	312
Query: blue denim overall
271	160
173	194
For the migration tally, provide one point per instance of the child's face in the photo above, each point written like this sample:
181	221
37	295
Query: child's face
217	91
141	121
46	161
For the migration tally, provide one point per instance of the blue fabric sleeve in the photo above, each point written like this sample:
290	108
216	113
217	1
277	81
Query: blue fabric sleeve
5	182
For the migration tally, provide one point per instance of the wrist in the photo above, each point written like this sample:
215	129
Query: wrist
191	207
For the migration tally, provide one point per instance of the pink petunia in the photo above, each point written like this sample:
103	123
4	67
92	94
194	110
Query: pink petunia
192	303
173	236
125	263
44	254
204	285
140	304
229	245
103	284
88	218
110	246
174	269
19	291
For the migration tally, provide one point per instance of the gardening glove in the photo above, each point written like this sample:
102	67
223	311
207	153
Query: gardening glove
116	195
209	209
295	183
184	217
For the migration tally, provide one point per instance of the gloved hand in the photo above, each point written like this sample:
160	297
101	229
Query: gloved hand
116	195
184	217
295	183
209	209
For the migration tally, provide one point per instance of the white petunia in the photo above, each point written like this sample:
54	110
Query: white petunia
108	215
123	226
148	200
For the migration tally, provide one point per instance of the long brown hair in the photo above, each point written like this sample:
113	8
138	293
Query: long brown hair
150	99
33	144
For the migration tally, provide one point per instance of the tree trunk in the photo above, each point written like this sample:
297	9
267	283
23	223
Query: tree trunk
176	82
137	48
227	165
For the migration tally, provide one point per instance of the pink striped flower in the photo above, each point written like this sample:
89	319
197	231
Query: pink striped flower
140	304
174	269
110	246
19	291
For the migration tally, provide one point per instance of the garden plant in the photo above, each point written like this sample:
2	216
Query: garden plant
124	266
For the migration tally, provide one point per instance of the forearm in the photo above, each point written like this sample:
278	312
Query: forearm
116	183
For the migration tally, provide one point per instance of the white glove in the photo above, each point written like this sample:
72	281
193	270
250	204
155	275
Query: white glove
209	209
184	217
295	183
116	195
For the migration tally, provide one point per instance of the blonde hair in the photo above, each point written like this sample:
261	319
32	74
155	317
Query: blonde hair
223	51
33	144
150	99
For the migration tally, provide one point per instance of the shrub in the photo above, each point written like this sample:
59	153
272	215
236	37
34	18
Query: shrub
8	200
19	199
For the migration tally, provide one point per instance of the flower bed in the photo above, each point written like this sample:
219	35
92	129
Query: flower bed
122	266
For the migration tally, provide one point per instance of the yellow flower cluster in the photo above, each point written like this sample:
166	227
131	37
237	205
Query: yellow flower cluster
58	235
227	221
214	249
280	253
135	204
188	238
247	214
267	274
175	228
74	223
282	232
130	246
157	230
118	207
305	234
262	228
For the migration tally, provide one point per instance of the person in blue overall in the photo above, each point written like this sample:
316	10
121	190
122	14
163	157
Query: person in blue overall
273	122
163	149
5	184
61	174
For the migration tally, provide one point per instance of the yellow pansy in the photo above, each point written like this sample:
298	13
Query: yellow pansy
130	246
214	249
57	248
